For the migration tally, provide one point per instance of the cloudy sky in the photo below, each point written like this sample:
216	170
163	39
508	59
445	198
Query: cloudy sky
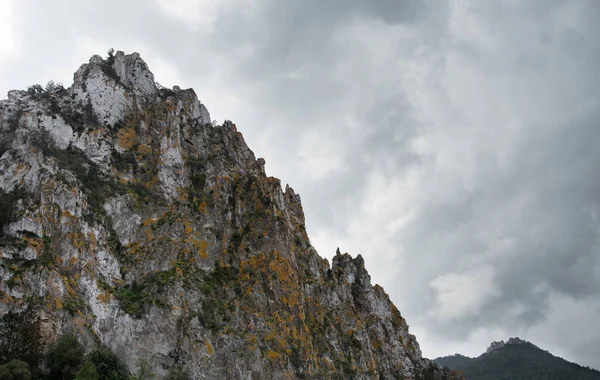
454	144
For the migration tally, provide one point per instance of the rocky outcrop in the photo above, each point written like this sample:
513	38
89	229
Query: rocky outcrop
495	345
510	341
134	223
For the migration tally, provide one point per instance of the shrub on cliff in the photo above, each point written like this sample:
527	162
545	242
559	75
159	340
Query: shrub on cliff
64	358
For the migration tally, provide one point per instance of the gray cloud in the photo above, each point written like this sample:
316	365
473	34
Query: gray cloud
453	144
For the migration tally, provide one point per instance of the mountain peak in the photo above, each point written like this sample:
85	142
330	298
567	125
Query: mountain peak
516	359
517	340
115	85
511	341
495	345
133	223
129	70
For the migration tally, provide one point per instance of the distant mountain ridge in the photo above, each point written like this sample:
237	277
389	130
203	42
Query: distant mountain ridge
516	359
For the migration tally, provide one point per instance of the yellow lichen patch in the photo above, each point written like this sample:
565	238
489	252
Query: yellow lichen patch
104	297
209	347
270	336
76	240
57	304
67	214
134	248
179	272
127	138
21	167
202	208
371	367
182	194
202	248
88	267
375	344
5	298
148	222
251	341
98	131
274	356
185	252
188	229
144	149
149	235
34	243
70	285
72	261
287	278
329	364
92	241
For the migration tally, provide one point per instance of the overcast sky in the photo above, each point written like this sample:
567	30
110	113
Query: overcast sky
454	144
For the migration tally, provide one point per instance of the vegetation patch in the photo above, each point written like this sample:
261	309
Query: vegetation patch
9	205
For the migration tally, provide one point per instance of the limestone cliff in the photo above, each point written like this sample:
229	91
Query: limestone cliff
133	222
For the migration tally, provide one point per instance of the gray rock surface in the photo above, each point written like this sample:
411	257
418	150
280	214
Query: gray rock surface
141	226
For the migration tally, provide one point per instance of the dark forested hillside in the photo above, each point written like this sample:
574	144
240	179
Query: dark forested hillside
517	360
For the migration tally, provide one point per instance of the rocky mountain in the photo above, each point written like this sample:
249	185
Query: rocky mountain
132	222
517	359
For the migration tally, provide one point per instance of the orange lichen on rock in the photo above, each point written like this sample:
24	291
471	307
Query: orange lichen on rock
127	137
144	149
274	356
104	297
202	248
209	347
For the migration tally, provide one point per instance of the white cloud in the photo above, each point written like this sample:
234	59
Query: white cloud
7	39
460	295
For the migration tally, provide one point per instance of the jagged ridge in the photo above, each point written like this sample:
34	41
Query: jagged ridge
134	223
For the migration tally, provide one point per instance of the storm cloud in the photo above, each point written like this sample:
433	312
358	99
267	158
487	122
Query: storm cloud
454	144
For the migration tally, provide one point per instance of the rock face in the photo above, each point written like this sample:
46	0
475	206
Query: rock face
133	222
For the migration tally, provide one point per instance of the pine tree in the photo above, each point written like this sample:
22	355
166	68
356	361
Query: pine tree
20	338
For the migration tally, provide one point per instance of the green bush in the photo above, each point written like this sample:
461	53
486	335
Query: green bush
15	370
108	364
73	304
134	299
64	358
87	372
8	205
